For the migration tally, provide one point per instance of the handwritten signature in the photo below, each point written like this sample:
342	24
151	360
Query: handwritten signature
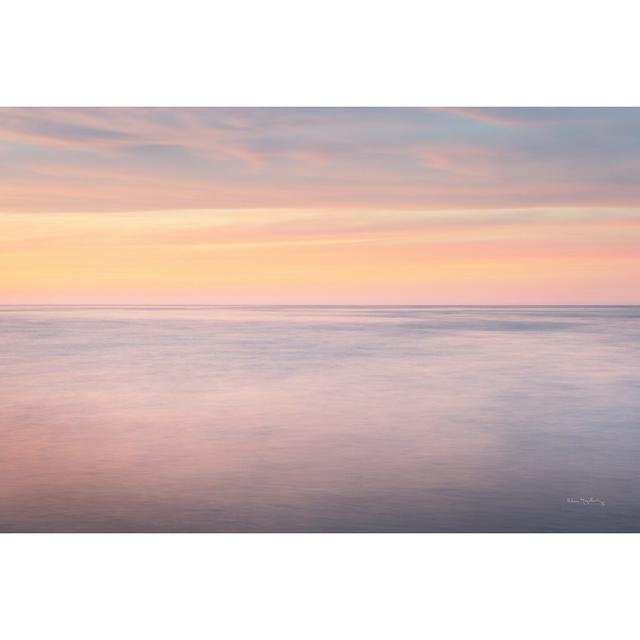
586	501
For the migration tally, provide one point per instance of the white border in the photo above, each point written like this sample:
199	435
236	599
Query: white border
334	52
301	53
319	587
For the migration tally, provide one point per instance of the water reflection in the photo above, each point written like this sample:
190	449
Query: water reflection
319	418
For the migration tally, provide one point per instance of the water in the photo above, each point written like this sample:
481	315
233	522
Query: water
314	419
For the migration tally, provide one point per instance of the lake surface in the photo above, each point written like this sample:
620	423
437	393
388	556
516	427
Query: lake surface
314	419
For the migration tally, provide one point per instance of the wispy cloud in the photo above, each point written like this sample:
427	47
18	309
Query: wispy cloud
320	205
149	159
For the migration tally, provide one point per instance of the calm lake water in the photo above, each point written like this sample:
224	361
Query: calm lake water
311	419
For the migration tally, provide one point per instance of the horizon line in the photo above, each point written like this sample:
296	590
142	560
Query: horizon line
98	304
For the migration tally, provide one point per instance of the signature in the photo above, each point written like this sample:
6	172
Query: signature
586	501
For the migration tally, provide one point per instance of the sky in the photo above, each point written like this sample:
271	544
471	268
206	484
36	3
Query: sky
320	206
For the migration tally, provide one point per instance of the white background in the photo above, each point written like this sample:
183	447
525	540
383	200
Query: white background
319	586
275	52
326	52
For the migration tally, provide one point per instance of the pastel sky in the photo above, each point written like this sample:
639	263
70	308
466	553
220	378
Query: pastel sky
327	206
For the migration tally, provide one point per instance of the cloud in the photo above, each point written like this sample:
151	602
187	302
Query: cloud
122	159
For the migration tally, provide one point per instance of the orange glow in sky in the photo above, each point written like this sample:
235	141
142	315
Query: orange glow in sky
319	206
